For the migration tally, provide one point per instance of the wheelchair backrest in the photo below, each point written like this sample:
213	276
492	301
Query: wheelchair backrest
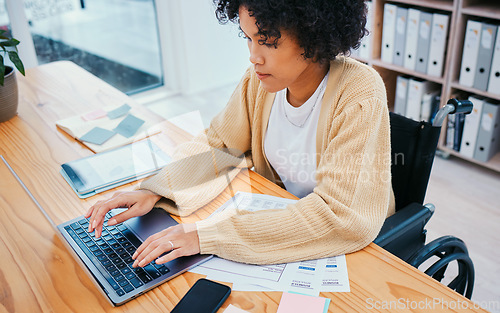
413	146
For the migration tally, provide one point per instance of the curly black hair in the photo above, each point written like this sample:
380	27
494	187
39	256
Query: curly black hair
323	28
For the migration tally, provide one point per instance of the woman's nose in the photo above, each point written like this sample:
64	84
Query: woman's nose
255	55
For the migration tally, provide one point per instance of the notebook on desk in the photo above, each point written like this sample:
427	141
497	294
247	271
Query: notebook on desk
108	260
101	130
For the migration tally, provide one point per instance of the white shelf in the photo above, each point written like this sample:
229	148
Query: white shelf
482	10
406	71
486	94
433	4
460	11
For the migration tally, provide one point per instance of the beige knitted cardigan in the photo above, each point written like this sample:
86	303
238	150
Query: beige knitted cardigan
346	209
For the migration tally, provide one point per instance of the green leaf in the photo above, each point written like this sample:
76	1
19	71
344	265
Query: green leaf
14	57
10	43
2	31
2	70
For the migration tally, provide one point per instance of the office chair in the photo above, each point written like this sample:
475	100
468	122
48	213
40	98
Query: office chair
413	146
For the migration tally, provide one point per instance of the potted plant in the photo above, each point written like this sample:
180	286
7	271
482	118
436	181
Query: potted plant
8	83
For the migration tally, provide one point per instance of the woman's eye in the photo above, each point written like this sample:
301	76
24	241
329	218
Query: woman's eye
269	44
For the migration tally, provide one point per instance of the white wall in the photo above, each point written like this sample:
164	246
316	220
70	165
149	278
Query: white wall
210	55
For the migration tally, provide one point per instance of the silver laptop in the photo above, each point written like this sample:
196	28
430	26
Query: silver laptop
108	259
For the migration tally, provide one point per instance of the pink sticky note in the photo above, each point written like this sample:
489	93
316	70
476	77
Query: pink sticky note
296	303
94	115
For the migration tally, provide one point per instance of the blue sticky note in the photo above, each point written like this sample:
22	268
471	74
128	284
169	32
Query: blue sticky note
129	126
97	135
120	111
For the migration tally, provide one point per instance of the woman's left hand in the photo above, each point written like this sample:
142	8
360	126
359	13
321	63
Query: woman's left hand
176	241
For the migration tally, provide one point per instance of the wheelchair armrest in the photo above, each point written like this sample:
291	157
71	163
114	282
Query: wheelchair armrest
409	220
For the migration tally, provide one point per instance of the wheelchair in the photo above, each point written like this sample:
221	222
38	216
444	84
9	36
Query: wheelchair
413	147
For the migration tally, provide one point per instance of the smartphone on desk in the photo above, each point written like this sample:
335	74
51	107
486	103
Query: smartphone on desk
205	296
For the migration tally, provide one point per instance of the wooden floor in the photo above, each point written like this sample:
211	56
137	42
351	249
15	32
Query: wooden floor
466	196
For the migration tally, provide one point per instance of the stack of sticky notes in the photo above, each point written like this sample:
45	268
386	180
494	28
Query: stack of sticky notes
107	128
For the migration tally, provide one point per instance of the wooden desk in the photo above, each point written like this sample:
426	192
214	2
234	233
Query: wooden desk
37	272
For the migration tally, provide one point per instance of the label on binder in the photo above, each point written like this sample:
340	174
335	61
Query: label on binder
401	25
425	29
487	38
487	122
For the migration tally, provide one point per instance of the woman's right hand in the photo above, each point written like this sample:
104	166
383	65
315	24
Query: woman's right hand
137	202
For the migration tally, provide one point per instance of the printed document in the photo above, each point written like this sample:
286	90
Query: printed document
307	277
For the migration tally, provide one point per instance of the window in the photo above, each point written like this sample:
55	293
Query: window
152	49
116	40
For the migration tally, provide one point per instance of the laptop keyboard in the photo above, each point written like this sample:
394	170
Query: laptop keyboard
114	250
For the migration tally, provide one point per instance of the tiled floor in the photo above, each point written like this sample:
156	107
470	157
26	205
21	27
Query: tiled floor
468	207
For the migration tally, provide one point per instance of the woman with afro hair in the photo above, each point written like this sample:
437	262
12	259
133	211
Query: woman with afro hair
305	116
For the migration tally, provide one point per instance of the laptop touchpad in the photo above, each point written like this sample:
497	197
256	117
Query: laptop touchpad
155	221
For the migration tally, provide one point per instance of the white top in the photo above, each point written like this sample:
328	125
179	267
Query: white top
290	143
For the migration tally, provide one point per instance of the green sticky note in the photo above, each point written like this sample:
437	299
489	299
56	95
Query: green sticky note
97	135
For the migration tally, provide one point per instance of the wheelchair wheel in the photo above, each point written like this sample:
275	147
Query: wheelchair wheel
447	250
